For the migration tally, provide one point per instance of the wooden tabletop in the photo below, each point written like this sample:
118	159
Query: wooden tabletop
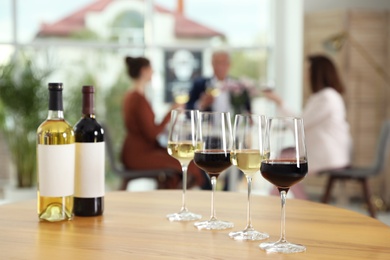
134	227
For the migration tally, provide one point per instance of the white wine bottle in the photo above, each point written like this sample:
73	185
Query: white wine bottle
56	161
89	175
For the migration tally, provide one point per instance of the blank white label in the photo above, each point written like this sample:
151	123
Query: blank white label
89	178
56	164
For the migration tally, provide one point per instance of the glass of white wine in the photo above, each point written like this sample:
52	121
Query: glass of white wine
181	96
181	146
247	154
213	87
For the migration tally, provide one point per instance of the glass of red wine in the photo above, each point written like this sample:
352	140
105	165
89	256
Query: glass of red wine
246	155
181	146
212	154
284	166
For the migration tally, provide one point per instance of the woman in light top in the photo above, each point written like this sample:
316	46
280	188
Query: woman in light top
328	139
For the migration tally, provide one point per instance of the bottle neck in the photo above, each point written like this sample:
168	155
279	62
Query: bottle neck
88	105
55	114
89	116
55	105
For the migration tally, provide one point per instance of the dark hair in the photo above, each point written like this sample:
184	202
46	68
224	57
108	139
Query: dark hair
135	65
323	74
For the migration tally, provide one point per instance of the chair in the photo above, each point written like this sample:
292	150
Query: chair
362	174
130	174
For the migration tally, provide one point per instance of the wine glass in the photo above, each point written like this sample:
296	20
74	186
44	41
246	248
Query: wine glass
181	146
285	165
212	154
180	96
247	154
213	87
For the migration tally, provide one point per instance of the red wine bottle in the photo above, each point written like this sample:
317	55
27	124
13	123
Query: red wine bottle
90	151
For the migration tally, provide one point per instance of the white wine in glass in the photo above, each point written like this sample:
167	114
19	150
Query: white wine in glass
181	146
182	151
247	154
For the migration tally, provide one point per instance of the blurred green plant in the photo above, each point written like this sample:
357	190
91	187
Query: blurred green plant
108	101
23	106
114	116
250	64
73	96
84	34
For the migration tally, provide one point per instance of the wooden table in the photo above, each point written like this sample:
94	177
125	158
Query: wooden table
134	227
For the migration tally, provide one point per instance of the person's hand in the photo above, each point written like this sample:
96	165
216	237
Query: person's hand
173	107
205	100
271	95
177	106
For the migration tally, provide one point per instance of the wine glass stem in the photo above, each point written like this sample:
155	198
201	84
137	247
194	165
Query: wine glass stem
283	195
213	186
184	168
249	220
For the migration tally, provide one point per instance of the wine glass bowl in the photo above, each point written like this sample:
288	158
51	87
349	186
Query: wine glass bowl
283	173
285	165
181	96
213	88
247	154
212	154
181	146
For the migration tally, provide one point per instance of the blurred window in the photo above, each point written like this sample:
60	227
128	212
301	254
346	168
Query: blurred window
91	37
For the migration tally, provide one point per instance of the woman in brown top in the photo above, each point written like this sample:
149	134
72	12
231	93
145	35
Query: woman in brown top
141	149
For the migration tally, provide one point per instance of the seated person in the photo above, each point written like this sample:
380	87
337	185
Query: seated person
328	139
141	149
220	92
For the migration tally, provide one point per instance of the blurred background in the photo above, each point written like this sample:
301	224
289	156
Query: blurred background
84	42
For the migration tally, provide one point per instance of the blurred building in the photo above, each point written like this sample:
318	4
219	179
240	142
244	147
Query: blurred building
124	21
135	27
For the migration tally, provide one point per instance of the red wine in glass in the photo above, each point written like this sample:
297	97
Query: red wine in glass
285	165
213	162
283	173
212	154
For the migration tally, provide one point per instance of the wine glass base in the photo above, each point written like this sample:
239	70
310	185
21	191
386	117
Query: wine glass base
282	247
183	216
249	235
213	225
